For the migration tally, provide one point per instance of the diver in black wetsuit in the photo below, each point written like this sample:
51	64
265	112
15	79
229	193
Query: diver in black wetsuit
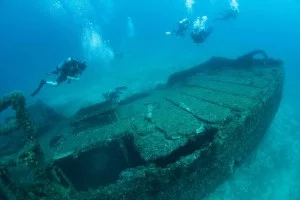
227	15
69	70
231	13
181	28
200	37
199	32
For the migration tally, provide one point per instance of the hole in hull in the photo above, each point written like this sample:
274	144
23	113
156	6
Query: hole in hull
100	166
103	165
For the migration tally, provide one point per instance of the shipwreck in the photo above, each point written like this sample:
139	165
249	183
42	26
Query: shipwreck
179	140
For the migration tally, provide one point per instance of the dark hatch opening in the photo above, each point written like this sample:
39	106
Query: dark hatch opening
102	165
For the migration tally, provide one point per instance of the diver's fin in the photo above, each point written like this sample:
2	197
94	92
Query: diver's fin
42	83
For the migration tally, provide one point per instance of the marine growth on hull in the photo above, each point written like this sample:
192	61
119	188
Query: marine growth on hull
190	133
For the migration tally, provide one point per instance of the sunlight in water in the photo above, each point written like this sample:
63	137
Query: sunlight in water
234	5
57	5
130	27
55	8
95	40
95	49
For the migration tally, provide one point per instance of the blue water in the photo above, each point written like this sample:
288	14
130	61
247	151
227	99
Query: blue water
36	35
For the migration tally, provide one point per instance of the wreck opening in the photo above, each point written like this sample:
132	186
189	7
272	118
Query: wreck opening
102	165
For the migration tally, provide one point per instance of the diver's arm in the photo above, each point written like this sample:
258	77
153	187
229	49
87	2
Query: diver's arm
73	78
76	77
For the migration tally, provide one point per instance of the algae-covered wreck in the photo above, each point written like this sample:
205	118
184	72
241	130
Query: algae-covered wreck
181	139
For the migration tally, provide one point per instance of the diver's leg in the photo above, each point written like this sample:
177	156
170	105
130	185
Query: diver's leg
61	78
208	31
52	83
42	83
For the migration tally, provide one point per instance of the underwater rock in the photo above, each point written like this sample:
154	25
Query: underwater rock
177	141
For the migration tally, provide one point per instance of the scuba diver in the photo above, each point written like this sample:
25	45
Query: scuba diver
231	13
181	28
69	70
199	32
226	15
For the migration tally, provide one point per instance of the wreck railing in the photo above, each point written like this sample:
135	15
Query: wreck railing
31	155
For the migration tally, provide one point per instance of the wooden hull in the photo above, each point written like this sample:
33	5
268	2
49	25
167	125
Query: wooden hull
178	141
